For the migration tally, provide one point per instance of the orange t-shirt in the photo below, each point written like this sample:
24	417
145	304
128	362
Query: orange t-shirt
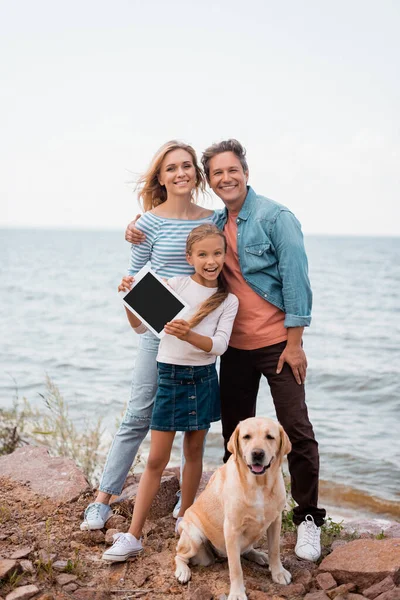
258	323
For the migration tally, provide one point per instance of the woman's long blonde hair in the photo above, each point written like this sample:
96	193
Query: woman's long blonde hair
151	192
197	235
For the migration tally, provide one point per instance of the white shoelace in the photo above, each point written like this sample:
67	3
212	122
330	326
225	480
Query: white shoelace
311	532
120	540
93	511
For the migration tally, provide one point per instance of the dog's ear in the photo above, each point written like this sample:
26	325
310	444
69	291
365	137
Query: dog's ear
285	446
233	444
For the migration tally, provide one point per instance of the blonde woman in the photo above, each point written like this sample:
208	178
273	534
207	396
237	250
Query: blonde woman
187	393
168	192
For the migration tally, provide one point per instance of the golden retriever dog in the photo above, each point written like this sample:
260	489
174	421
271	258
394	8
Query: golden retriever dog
243	499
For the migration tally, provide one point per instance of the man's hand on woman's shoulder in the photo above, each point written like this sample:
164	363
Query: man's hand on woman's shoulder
133	235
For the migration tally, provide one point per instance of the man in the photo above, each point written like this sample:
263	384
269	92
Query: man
266	268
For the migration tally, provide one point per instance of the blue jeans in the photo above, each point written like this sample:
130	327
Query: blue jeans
137	418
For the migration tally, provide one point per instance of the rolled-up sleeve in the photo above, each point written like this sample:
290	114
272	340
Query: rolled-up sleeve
287	238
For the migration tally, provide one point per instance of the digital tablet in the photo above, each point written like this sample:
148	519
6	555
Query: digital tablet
153	301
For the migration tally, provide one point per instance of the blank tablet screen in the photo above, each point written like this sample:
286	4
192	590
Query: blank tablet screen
153	302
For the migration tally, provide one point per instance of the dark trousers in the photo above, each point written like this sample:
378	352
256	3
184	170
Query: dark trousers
240	376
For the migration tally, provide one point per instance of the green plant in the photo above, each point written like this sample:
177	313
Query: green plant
287	515
52	428
5	513
9	584
55	430
74	565
381	535
44	568
330	531
12	426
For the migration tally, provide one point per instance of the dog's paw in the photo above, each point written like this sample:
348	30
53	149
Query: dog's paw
182	571
237	596
282	576
261	558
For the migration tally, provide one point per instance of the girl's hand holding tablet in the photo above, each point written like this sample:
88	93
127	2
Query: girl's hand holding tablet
179	328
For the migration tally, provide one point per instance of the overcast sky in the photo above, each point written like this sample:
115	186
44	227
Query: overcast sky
90	89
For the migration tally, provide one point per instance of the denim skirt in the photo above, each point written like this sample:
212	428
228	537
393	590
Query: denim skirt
187	398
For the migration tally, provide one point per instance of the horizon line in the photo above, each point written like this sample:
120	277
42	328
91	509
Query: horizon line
115	229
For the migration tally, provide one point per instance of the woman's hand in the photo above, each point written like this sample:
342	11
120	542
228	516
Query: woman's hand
126	283
179	328
134	235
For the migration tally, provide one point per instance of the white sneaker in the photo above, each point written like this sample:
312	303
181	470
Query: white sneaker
177	506
124	546
308	540
96	516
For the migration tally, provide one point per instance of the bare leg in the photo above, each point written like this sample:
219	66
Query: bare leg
193	468
160	450
103	497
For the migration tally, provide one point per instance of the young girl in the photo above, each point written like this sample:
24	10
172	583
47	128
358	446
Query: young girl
188	394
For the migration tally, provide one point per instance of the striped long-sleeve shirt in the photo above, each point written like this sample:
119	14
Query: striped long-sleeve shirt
165	244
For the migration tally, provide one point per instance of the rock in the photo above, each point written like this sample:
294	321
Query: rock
326	581
7	566
22	552
365	527
163	503
23	593
201	593
89	537
364	562
53	477
91	595
45	596
293	589
109	536
253	595
342	590
71	587
350	596
117	522
393	531
303	577
316	596
60	565
27	566
393	594
65	578
292	563
46	557
380	587
117	574
141	576
338	543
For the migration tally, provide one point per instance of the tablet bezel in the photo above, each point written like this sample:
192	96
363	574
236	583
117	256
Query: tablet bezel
138	277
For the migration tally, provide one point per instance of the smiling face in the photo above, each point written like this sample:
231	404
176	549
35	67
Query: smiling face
228	180
207	256
259	442
177	173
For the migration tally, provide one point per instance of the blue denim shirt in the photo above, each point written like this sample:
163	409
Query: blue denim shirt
272	256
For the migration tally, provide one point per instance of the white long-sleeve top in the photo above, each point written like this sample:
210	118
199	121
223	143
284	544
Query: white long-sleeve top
217	325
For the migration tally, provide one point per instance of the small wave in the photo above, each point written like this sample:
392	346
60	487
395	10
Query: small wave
340	495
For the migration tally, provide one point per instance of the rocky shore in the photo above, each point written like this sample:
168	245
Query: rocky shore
45	556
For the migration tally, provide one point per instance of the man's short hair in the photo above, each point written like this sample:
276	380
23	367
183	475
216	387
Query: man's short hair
225	146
